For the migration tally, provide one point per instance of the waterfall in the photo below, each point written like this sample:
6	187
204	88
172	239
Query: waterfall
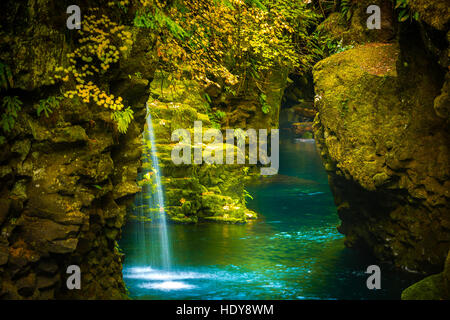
151	234
160	215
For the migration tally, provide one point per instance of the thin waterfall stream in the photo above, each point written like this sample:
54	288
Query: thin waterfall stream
152	256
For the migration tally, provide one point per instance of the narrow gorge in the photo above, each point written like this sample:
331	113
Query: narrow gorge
87	168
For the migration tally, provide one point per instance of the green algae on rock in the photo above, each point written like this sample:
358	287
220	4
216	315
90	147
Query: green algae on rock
386	156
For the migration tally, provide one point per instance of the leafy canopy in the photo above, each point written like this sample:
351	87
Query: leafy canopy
229	41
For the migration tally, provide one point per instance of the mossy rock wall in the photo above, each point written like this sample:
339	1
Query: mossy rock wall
194	192
434	287
65	180
351	28
386	151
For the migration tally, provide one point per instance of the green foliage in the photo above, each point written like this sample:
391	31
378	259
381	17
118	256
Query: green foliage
256	3
335	46
220	114
121	6
138	75
11	107
144	20
265	107
5	76
117	248
318	46
230	90
216	116
273	46
208	98
123	119
326	6
48	105
404	11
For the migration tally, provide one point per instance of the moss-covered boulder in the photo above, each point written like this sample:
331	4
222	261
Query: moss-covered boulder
386	152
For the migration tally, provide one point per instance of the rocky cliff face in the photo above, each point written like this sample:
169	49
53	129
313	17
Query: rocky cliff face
194	192
66	179
382	130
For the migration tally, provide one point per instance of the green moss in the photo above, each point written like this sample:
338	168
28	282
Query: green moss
381	141
69	134
380	178
347	85
435	13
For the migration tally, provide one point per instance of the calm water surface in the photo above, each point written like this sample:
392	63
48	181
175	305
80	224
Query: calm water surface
292	252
